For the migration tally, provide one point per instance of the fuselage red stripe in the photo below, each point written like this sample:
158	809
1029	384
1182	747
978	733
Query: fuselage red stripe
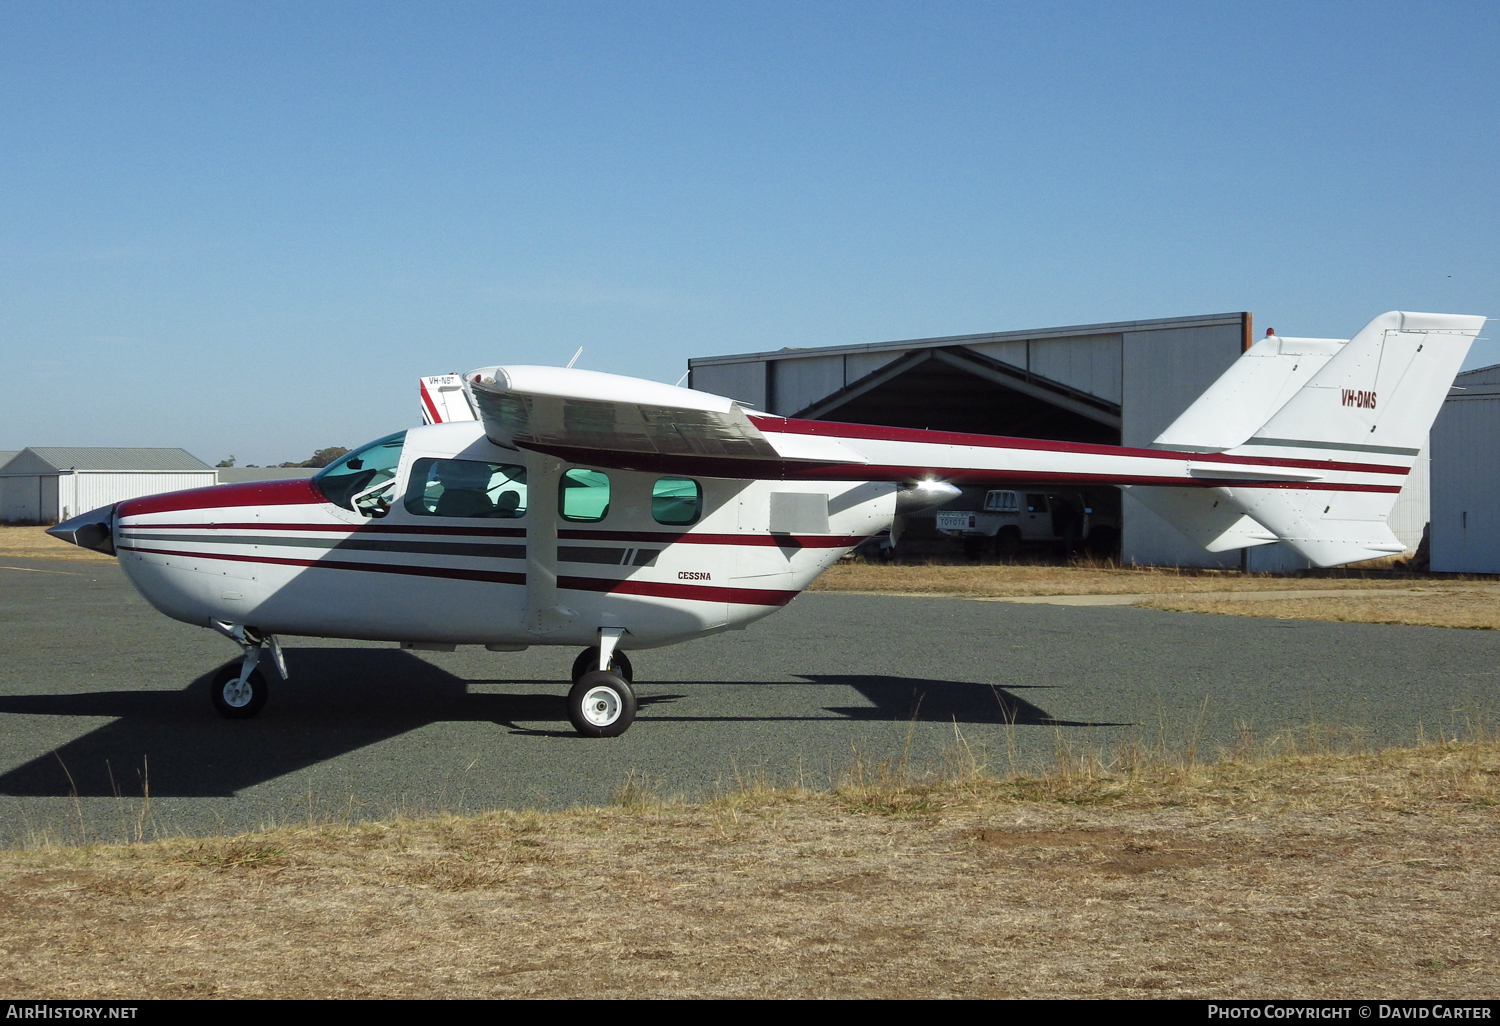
655	589
805	541
695	592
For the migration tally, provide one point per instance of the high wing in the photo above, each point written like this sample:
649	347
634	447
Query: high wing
611	420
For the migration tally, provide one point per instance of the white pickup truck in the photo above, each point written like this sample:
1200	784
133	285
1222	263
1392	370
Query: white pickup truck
1012	518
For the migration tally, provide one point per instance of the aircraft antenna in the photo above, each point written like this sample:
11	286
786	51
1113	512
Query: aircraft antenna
575	357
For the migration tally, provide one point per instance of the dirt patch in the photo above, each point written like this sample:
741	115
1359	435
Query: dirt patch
1372	875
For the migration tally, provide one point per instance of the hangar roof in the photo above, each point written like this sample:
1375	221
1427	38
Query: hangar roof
903	345
6	455
50	459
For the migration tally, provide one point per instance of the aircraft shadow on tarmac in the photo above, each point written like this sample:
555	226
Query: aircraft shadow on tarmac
361	697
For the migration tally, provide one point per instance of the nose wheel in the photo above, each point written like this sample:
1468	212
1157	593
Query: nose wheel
601	704
237	696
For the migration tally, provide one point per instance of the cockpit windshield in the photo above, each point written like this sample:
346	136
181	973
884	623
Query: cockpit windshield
362	480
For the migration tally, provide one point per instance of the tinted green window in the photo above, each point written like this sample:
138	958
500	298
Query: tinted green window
676	500
361	480
583	495
466	488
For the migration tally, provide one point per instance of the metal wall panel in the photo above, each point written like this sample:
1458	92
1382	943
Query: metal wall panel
743	381
1089	363
857	365
21	498
1162	372
798	382
1013	353
1465	449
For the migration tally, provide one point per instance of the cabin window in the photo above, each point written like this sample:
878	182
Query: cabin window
362	480
583	495
466	488
676	500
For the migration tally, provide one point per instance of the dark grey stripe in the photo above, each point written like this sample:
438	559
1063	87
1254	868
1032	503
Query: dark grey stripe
590	554
608	557
342	544
1298	443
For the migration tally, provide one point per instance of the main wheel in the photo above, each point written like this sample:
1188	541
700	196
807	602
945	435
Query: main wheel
601	704
588	660
238	701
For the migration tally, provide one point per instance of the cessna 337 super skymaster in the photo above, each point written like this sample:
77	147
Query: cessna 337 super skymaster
611	513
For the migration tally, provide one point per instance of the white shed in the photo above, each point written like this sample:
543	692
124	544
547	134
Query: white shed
1466	476
48	483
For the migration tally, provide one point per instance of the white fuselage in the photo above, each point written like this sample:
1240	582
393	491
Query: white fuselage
279	557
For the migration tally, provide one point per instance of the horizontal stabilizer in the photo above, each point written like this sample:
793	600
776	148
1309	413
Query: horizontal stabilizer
1204	516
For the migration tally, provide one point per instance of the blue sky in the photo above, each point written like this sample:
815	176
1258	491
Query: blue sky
248	227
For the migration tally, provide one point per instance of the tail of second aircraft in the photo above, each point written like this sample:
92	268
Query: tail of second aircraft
1344	420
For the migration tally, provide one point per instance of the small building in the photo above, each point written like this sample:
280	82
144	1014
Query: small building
1465	472
49	483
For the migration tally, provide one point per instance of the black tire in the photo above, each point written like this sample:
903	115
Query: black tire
238	707
601	704
1008	543
588	661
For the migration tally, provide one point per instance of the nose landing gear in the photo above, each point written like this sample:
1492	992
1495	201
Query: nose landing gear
240	693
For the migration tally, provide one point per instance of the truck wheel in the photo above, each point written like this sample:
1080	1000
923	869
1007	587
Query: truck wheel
1008	543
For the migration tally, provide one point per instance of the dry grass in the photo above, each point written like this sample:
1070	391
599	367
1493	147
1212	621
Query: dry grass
36	543
1294	875
1081	578
1474	606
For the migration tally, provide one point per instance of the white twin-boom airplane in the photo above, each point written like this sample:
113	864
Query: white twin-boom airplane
554	506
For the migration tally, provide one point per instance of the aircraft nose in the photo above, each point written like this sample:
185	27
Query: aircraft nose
91	530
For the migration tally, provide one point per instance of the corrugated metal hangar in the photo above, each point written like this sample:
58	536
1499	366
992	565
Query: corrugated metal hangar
50	483
1120	383
1465	485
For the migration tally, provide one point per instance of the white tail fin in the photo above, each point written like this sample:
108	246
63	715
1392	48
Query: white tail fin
1364	412
1247	395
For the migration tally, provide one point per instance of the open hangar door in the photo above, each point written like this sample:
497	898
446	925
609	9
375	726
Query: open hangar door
1116	384
959	389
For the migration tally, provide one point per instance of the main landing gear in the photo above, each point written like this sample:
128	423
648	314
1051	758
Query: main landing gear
602	703
239	693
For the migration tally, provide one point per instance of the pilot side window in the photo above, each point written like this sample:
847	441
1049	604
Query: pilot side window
583	495
676	500
466	488
362	480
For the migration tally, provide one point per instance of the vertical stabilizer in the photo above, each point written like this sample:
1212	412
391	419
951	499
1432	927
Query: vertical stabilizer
1248	394
1370	406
